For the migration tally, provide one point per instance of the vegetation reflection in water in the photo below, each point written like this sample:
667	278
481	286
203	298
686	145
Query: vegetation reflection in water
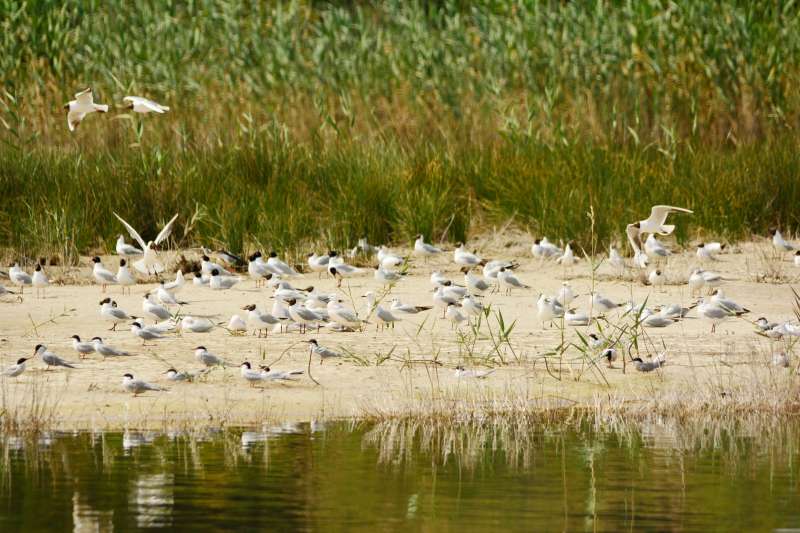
396	474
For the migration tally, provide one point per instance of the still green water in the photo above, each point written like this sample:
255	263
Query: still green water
402	476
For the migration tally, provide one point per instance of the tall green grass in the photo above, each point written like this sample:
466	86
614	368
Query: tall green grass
288	196
305	122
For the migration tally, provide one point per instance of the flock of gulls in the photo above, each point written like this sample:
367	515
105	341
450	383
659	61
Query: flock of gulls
298	310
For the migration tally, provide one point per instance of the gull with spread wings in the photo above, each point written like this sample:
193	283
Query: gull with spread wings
654	224
150	263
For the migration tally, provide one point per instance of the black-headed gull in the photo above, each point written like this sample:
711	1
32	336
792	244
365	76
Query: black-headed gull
149	264
143	105
653	224
80	107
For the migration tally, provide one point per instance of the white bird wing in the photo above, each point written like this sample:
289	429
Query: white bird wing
84	97
658	214
133	233
634	238
166	231
151	105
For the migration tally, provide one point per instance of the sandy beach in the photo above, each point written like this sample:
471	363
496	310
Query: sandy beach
397	370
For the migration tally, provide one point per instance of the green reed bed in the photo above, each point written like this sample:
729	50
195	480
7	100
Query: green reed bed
299	122
284	197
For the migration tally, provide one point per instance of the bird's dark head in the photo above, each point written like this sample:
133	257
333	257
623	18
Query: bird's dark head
200	348
215	272
198	275
137	324
105	301
332	270
95	259
205	257
97	339
172	370
38	267
129	376
77	338
637	360
21	360
273	254
333	253
250	307
701	245
245	365
312	341
38	347
122	262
